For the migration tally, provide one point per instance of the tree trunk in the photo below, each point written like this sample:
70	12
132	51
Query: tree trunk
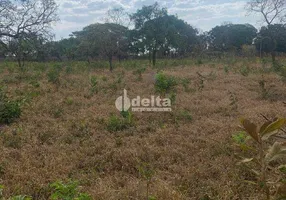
273	56
154	57
110	63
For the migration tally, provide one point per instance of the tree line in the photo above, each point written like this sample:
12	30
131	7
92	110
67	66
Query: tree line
150	32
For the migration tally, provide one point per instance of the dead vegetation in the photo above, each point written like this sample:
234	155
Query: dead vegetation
69	129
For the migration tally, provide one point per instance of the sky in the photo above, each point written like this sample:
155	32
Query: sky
202	14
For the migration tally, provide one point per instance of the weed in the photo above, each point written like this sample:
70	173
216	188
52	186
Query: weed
264	91
226	69
147	172
201	82
35	84
185	83
80	129
93	85
240	139
12	141
69	69
173	97
69	101
115	123
139	73
54	75
199	62
104	78
244	70
184	115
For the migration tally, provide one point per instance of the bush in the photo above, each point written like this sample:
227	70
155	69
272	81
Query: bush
67	191
54	75
164	84
115	123
9	110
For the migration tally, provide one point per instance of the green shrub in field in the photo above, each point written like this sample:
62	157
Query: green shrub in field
69	191
165	84
9	110
119	124
54	75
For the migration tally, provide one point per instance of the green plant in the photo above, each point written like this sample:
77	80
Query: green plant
184	115
164	84
264	91
147	172
18	197
68	191
93	85
240	139
69	69
201	82
115	123
244	70
265	159
9	110
54	75
185	83
226	69
139	73
283	73
69	101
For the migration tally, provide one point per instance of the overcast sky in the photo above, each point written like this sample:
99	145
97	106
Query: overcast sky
202	14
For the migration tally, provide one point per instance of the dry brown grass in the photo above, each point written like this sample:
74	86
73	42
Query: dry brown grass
62	135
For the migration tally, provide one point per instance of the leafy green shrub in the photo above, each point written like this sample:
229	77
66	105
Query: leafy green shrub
67	191
9	110
165	84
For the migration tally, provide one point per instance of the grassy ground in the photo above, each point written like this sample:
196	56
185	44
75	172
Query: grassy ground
189	153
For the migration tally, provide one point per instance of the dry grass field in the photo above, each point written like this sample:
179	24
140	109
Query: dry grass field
65	130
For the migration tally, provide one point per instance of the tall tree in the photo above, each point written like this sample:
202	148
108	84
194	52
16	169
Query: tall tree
264	43
106	40
231	37
272	11
157	31
19	20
